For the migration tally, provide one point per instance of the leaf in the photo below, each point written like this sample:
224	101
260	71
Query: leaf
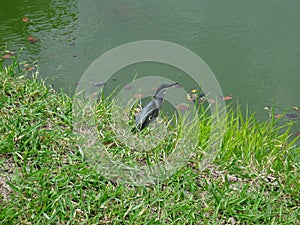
183	107
278	116
191	97
31	39
31	68
138	96
99	84
292	115
128	87
228	97
25	19
6	56
211	101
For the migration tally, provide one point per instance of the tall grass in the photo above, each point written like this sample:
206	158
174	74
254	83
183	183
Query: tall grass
254	179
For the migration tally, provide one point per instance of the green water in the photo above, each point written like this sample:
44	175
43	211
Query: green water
252	47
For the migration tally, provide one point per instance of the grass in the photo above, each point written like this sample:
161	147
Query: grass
45	180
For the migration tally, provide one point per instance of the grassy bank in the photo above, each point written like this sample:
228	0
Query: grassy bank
44	180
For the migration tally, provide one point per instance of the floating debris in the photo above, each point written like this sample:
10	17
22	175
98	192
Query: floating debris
94	95
6	56
202	95
10	52
212	101
267	107
31	39
225	98
138	96
77	83
25	19
278	115
194	90
195	98
137	111
31	68
191	97
128	87
99	84
201	98
75	55
72	44
295	108
292	115
183	107
28	67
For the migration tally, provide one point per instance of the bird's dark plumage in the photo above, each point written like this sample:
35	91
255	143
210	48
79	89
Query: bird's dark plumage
151	110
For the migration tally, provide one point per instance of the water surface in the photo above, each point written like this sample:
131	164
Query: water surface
252	47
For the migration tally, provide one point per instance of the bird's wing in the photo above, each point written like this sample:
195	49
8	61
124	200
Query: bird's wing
148	113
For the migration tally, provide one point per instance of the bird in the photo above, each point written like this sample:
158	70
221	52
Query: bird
151	110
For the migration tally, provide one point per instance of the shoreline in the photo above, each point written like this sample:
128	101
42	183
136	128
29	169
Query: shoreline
254	179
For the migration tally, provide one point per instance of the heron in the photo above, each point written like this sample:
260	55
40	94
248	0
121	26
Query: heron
151	110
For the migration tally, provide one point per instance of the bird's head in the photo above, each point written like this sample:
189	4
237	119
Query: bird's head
161	90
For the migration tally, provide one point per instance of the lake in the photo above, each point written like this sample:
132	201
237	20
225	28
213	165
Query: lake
252	47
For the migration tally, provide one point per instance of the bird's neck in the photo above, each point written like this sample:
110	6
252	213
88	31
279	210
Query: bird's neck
159	101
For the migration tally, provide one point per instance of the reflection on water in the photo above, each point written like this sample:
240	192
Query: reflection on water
252	47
